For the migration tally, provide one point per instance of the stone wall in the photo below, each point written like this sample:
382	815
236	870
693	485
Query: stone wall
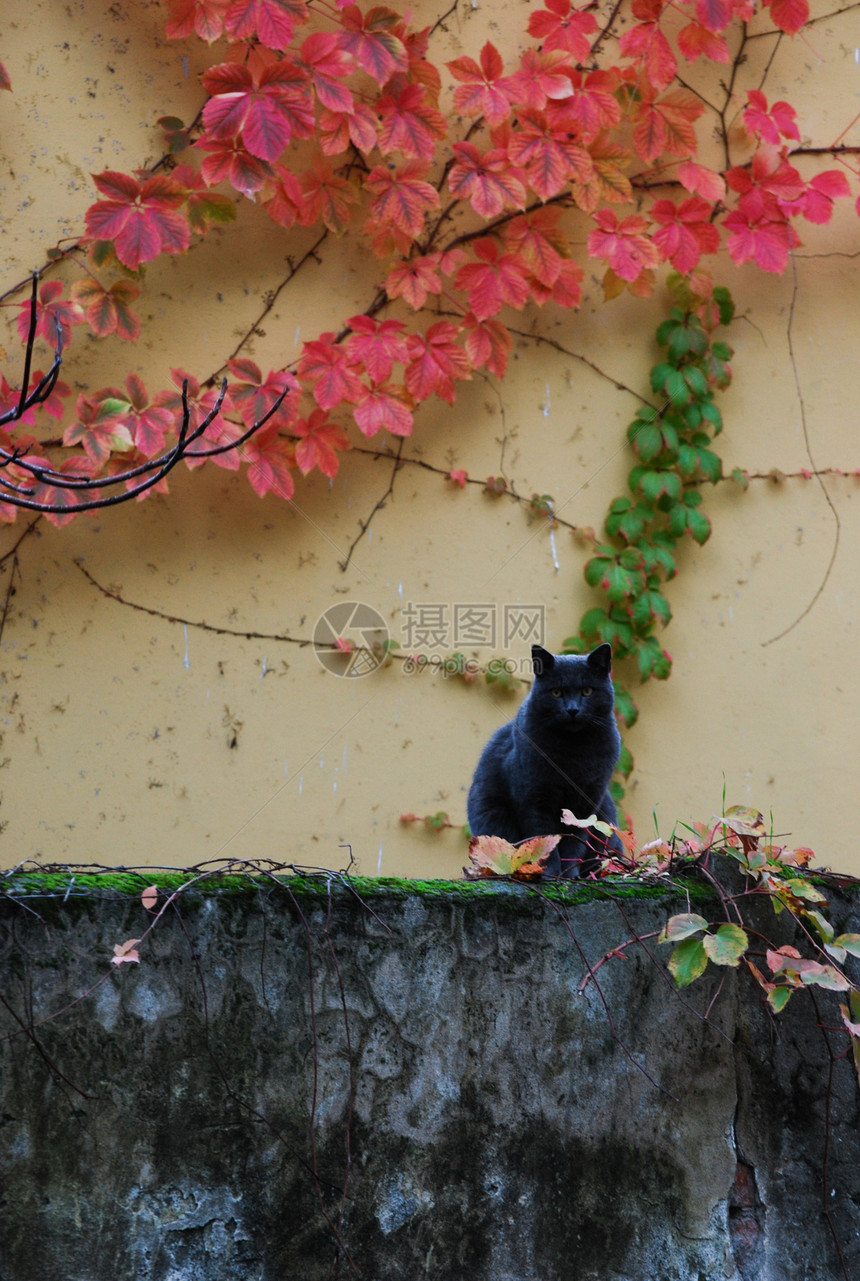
313	1082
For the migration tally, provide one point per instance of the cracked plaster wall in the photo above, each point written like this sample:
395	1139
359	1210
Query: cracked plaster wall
137	734
316	1086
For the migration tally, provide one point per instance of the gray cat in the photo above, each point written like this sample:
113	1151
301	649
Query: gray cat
559	751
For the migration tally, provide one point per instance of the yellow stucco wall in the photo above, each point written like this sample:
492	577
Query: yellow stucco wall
129	738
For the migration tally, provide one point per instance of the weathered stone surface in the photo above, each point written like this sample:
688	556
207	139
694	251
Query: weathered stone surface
308	1086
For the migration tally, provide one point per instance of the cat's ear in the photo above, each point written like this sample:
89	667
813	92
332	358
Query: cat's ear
600	659
542	659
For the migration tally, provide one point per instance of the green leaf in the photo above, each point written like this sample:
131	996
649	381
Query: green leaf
778	997
688	961
850	942
696	381
590	623
625	707
574	644
709	410
724	302
727	946
676	387
682	926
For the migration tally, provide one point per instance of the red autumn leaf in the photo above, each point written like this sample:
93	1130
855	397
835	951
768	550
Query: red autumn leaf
401	197
488	342
770	123
270	461
436	362
493	856
789	15
486	180
203	17
319	442
567	287
715	15
376	344
459	478
108	311
200	404
698	41
414	279
229	161
53	494
271	21
149	897
646	43
202	206
372	40
9	398
759	231
823	189
51	313
702	181
495	280
539	243
625	245
541	76
325	365
409	123
327	196
148	424
141	218
265	110
124	952
666	124
560	27
483	90
547	155
328	67
383	406
98	428
253	396
592	105
684	233
340	128
284	198
5	82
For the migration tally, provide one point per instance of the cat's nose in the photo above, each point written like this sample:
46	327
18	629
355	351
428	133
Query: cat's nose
573	712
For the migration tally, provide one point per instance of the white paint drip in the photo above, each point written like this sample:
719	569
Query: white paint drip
547	404
301	783
379	861
296	339
264	667
554	551
186	661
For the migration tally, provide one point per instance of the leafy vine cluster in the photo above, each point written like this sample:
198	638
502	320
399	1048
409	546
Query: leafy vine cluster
474	209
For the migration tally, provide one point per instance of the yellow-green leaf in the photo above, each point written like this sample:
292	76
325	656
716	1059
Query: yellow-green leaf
688	961
727	946
681	926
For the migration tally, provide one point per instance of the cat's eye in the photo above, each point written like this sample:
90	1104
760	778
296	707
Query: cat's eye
586	689
556	693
